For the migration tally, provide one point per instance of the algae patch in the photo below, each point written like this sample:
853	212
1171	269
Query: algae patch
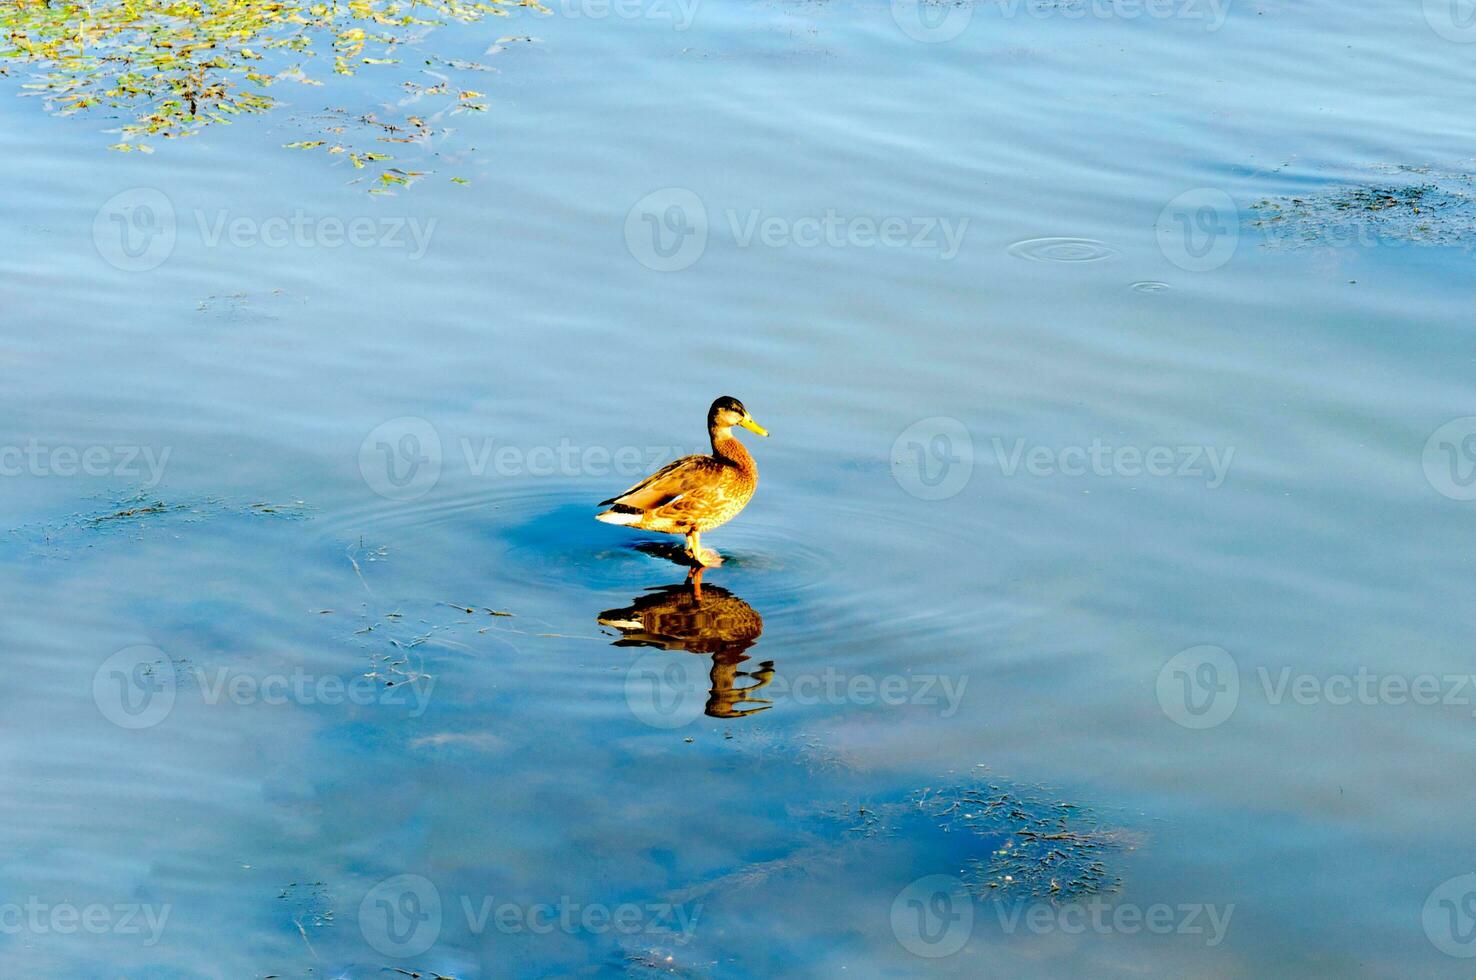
1038	847
136	515
170	69
1403	206
1003	841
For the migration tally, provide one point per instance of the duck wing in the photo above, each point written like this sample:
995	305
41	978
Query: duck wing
668	483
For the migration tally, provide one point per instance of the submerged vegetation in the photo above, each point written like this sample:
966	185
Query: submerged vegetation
171	68
135	514
1005	842
1405	206
1040	847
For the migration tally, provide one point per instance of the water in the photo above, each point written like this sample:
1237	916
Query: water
316	713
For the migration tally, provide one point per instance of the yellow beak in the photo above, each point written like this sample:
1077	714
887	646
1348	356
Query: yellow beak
748	423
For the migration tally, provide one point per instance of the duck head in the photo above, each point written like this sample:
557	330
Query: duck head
727	412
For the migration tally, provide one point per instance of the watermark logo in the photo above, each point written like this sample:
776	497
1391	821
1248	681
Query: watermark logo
138	687
1366	687
135	688
131	462
405	458
932	21
1454	20
935	21
680	13
933	917
138	229
933	459
484	456
1208	463
37	917
833	687
225	685
1212	12
302	230
1103	917
831	229
1199	230
666	231
665	691
401	459
1199	687
1450	917
134	230
401	916
673	923
1450	459
668	692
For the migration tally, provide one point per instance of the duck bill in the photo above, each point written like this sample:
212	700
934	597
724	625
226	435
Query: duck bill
752	426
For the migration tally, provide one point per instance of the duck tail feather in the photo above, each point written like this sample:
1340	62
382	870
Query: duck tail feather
620	514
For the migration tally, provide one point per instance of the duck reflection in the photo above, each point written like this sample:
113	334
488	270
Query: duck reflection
706	620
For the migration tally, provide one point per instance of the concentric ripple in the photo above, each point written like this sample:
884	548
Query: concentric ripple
1062	250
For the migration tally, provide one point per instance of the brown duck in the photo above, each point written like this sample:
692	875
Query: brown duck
695	493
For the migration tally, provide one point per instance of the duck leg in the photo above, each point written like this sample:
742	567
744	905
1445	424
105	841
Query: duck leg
702	556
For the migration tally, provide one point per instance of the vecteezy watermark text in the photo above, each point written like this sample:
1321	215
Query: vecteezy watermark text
302	230
1101	916
137	230
937	21
665	691
668	230
1209	463
137	687
565	459
570	916
834	230
225	685
1201	687
404	916
933	459
402	459
133	462
35	916
680	13
936	916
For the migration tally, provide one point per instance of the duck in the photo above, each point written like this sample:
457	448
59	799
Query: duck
695	493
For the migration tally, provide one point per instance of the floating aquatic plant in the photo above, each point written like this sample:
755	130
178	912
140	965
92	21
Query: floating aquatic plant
1039	847
134	514
172	68
1402	206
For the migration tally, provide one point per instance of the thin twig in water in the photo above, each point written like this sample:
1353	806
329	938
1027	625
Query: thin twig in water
305	939
357	570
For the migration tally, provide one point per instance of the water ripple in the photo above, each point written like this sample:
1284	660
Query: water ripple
1062	250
